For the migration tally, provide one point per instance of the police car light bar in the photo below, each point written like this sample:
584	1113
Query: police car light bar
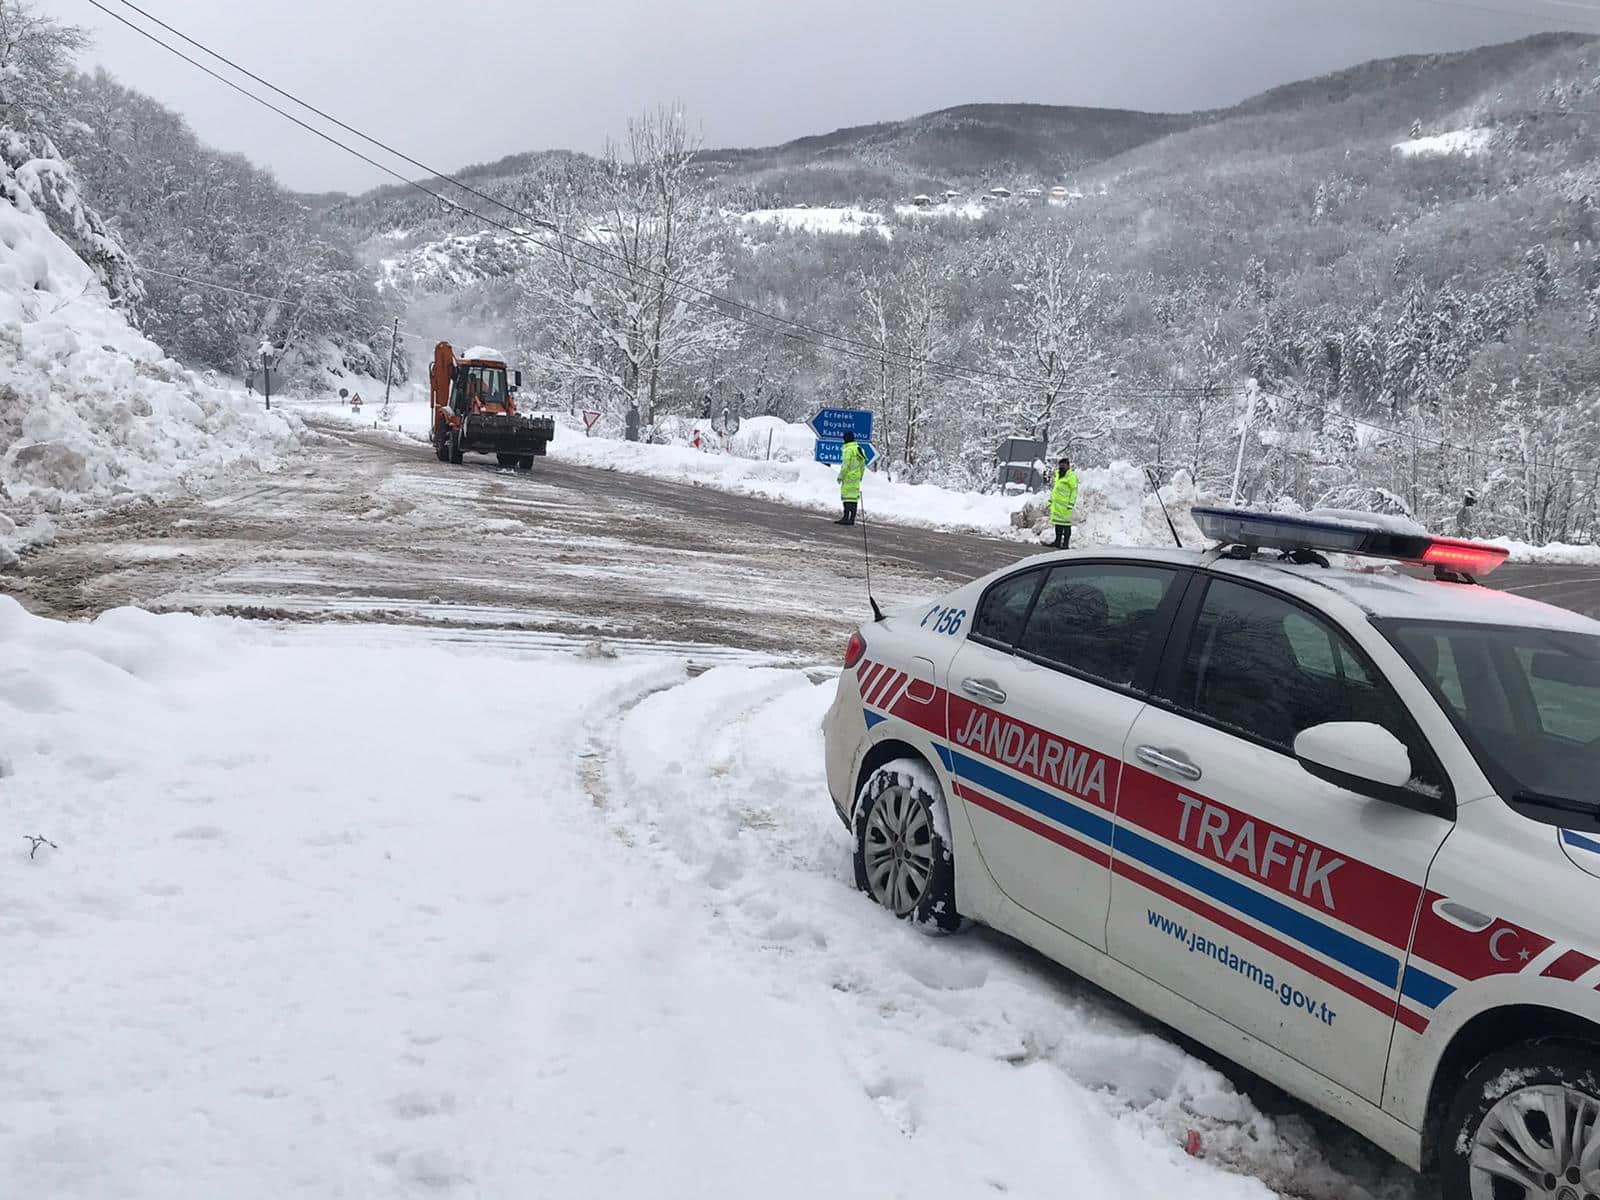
1344	535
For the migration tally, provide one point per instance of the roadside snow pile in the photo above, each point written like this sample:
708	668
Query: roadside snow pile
852	221
1465	142
90	410
270	960
1556	554
1114	505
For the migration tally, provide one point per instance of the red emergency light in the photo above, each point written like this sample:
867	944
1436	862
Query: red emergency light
1345	533
1475	557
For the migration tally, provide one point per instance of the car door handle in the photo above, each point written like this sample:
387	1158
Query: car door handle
1163	761
983	689
1461	916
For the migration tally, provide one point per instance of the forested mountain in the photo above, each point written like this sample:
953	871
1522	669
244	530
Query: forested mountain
1397	262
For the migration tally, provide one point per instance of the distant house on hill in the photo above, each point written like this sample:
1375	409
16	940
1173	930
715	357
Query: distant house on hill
1000	193
1033	193
802	204
922	200
950	195
1058	195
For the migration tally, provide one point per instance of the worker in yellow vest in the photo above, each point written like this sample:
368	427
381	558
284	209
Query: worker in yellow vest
852	466
1063	499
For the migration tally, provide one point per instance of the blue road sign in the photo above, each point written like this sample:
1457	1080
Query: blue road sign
831	424
831	451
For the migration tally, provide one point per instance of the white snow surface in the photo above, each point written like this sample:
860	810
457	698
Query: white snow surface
348	912
1465	142
843	220
91	411
487	352
1551	554
969	210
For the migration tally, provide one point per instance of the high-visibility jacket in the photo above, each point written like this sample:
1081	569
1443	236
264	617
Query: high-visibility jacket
851	468
1064	497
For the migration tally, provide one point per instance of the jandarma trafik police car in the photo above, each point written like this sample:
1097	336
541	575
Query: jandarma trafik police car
1341	823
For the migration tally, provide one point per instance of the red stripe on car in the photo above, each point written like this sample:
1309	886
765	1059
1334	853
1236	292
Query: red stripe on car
1572	965
1093	853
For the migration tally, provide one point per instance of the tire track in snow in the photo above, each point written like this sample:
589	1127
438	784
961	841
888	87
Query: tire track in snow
719	780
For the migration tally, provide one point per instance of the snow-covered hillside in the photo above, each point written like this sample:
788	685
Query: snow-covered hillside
91	411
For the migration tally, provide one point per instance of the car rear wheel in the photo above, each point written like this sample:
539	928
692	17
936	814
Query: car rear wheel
901	858
1525	1125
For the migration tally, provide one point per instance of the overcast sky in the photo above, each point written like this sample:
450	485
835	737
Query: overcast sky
474	80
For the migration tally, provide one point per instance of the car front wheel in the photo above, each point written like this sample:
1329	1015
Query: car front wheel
1526	1124
901	859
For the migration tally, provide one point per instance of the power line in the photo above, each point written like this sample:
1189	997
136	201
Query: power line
341	305
866	351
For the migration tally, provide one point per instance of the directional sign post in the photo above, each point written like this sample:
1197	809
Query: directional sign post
832	452
831	424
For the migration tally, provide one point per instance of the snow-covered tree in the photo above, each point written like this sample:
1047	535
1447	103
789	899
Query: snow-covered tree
634	248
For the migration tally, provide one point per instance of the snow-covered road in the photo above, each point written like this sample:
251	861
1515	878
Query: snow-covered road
339	911
369	529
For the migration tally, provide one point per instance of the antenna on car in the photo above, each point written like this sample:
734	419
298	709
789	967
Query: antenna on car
877	613
1150	474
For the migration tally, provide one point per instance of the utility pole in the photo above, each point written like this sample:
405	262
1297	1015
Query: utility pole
388	376
1252	389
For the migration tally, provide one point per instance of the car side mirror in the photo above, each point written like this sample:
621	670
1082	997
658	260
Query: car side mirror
516	380
1366	759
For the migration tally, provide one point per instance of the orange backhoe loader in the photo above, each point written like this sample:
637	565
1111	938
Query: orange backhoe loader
475	409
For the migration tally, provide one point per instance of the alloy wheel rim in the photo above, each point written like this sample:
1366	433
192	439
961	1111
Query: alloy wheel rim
1540	1142
898	850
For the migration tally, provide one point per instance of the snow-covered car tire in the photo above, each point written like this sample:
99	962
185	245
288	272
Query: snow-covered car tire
902	860
1497	1142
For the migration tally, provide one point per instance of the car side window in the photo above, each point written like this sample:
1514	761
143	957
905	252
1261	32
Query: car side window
1259	665
1095	618
1004	607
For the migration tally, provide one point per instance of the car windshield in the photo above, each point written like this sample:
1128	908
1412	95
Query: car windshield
1526	700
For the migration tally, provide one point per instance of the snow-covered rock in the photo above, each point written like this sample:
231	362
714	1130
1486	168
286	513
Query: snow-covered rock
91	411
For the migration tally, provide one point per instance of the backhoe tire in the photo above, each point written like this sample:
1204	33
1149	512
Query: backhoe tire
525	463
441	446
456	452
508	460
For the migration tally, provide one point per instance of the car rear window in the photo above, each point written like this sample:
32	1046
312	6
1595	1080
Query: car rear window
1095	618
1004	606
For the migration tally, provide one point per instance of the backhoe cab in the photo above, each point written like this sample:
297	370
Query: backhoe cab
475	409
